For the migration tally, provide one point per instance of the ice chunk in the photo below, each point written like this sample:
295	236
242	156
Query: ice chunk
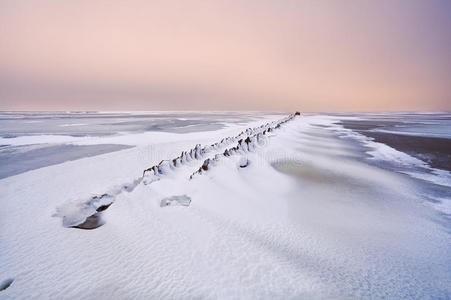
182	200
78	212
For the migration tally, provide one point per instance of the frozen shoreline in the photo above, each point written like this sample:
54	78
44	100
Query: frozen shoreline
340	228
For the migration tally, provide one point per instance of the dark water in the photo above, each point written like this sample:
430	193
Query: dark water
426	141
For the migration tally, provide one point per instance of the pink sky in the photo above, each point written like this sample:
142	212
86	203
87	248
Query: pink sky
225	55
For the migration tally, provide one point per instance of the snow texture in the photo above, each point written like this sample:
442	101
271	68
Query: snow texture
306	218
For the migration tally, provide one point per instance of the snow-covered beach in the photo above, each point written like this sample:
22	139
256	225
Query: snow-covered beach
311	210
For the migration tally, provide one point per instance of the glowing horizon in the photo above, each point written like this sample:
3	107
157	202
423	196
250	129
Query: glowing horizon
215	55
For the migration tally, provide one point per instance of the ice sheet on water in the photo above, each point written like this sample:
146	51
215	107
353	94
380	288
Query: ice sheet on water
19	159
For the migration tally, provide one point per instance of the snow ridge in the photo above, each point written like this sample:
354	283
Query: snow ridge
249	144
153	173
76	214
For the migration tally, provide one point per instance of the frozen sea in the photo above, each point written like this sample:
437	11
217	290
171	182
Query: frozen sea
324	206
31	140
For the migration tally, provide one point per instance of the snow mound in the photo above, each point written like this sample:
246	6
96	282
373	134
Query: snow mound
76	213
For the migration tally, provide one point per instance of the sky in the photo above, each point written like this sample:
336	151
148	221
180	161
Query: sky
312	55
